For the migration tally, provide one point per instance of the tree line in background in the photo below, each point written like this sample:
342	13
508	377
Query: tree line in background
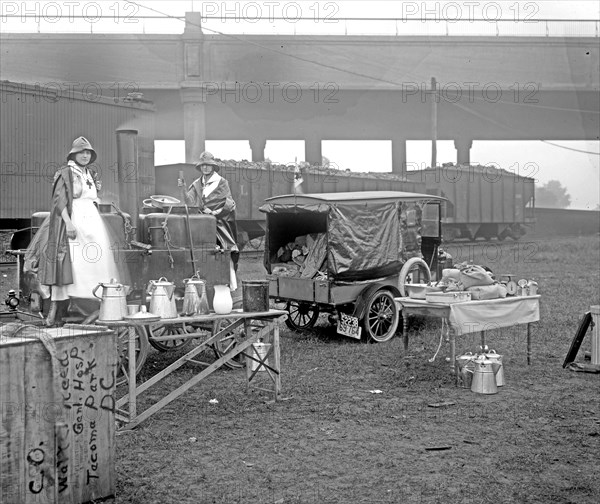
552	195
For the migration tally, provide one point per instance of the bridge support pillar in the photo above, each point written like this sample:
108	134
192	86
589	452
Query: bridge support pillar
257	146
194	122
463	151
399	156
312	151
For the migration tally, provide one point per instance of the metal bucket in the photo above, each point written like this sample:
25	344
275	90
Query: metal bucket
255	295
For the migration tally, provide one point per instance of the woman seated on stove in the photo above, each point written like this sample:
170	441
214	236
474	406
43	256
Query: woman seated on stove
211	194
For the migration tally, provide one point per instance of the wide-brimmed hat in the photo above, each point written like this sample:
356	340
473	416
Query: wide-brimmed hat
81	144
206	158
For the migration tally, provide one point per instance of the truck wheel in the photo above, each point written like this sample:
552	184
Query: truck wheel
301	315
381	316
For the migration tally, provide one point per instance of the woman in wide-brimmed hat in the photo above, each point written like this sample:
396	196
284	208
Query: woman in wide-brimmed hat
76	254
211	194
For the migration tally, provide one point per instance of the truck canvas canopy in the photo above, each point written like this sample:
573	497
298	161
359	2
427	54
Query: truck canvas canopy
368	234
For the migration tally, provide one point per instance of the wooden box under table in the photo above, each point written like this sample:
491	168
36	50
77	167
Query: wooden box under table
57	414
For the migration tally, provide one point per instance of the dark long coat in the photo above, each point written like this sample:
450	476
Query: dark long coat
219	199
55	258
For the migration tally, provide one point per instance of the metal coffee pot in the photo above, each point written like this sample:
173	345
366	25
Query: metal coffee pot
484	376
494	357
195	301
464	369
162	300
113	303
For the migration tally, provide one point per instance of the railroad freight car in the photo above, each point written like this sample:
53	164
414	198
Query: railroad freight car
39	124
253	182
483	201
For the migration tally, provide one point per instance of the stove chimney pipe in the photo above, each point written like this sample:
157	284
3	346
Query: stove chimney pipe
128	173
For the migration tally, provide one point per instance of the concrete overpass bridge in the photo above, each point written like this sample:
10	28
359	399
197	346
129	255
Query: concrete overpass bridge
314	88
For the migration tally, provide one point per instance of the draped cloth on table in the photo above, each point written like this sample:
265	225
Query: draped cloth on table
476	316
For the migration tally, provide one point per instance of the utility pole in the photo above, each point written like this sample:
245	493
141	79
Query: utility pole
434	100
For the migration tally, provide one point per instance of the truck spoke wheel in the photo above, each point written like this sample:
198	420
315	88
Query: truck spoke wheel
381	317
301	315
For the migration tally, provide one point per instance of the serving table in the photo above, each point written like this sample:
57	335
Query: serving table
474	316
256	326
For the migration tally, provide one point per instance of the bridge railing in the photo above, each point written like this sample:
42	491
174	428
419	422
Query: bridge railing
240	25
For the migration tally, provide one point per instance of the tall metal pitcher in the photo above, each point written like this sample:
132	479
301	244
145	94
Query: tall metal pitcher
484	376
113	303
162	300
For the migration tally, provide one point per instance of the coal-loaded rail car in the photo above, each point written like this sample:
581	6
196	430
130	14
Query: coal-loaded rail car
482	201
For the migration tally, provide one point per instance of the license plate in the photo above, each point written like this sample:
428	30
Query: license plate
348	326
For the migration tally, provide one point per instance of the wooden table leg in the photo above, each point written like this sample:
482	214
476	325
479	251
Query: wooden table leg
529	344
276	358
405	333
132	374
452	348
250	351
483	341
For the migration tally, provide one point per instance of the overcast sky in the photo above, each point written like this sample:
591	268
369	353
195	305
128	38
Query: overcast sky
579	172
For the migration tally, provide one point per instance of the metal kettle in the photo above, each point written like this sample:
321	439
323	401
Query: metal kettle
162	298
484	375
464	370
495	357
113	303
195	301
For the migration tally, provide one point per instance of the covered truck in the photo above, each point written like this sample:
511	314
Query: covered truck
349	254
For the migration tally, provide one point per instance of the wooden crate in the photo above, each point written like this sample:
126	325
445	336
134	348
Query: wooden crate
57	426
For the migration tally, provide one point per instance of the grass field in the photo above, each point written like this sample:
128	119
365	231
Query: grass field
333	441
